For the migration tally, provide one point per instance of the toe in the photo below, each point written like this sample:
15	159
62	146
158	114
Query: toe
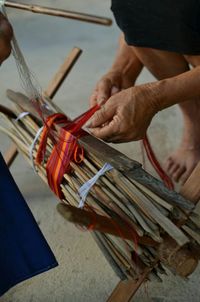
179	172
168	163
173	169
187	173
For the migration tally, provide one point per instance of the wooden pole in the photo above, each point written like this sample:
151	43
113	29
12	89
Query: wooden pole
59	13
10	154
63	72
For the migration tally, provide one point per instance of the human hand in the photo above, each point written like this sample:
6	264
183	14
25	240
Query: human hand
110	84
6	34
126	115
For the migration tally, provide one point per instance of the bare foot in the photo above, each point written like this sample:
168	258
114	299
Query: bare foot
180	164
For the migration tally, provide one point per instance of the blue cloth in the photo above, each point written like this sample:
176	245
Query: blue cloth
24	251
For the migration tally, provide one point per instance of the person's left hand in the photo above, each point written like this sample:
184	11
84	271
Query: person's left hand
126	115
6	34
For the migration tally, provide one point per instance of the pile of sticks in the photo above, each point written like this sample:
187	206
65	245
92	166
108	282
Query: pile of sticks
133	225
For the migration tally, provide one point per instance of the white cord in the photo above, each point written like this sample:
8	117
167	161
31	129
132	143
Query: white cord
84	189
33	146
21	116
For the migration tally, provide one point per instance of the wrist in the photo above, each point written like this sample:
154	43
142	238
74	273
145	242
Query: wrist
154	94
129	68
178	89
163	94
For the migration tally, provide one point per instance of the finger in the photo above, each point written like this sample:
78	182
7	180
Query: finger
104	133
93	99
176	176
168	164
187	173
102	116
103	90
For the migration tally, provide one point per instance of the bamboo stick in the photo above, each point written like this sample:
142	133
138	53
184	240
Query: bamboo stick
107	253
59	13
152	212
192	233
151	194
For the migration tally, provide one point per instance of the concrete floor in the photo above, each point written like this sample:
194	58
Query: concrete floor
83	274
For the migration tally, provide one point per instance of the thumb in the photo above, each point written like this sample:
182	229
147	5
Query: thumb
102	116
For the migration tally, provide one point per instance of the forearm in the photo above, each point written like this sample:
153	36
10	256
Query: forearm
181	88
126	60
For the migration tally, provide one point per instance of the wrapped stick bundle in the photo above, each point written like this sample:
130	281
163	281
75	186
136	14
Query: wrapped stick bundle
136	222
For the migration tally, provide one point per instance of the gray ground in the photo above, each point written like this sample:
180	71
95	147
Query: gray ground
83	274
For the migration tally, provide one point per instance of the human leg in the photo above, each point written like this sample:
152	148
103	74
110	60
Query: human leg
162	65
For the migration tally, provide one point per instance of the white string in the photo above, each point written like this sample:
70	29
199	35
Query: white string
21	116
33	146
28	81
84	189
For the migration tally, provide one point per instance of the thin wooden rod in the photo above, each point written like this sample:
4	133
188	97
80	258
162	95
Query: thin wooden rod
59	13
10	154
63	72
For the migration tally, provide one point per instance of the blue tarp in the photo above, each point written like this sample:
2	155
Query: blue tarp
24	251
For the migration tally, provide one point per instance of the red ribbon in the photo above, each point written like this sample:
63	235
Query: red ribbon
66	147
155	163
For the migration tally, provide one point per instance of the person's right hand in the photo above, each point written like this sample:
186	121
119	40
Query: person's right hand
6	34
110	84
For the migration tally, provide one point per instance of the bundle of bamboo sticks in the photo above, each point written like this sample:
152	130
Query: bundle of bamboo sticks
135	228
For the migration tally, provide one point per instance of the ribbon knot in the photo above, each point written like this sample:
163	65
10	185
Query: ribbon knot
65	149
64	135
